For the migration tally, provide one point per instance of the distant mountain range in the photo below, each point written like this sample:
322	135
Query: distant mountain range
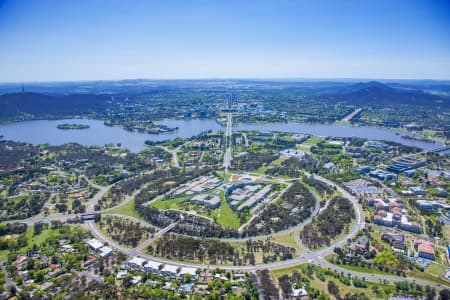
379	94
373	93
40	105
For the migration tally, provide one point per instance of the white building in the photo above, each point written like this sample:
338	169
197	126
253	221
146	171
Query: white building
152	266
136	262
105	251
187	270
169	270
94	244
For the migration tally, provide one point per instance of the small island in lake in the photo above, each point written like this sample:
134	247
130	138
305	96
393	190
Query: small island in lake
72	126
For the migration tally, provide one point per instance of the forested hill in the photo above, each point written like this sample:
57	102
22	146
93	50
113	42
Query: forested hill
40	105
378	94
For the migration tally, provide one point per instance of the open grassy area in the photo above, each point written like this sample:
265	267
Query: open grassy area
343	289
127	209
285	238
359	269
426	276
276	162
170	203
33	239
4	255
304	148
225	215
313	140
447	230
435	269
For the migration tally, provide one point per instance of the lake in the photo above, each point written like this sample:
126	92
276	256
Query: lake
45	131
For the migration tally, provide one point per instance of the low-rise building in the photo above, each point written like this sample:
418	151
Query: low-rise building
211	200
94	244
360	246
152	266
292	153
441	192
170	271
424	206
136	262
397	241
105	251
417	190
425	249
188	270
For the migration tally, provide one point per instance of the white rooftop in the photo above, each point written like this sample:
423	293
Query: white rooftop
105	250
170	268
94	244
187	270
152	264
137	261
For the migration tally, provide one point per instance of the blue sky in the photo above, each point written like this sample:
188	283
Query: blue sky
57	40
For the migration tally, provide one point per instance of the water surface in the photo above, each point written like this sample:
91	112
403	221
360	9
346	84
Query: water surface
45	131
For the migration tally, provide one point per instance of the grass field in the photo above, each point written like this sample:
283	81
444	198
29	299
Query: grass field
343	289
286	238
303	148
359	269
170	203
225	215
276	162
31	239
426	276
128	210
313	140
435	269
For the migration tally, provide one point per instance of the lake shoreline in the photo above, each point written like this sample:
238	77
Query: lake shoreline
45	131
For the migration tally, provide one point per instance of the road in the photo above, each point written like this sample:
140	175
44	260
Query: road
228	134
8	282
175	163
99	195
353	114
315	257
244	135
147	243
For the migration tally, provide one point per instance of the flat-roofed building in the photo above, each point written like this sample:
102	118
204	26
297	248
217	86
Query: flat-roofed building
170	271
94	244
211	200
136	262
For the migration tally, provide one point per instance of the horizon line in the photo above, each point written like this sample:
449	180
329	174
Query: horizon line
228	78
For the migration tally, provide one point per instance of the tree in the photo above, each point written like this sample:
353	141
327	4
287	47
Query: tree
333	288
444	294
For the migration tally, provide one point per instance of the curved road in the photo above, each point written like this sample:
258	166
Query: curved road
308	257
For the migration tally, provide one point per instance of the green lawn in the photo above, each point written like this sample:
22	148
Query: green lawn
127	209
426	276
435	269
4	255
322	285
32	239
278	161
304	148
170	203
313	140
225	216
360	269
286	238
